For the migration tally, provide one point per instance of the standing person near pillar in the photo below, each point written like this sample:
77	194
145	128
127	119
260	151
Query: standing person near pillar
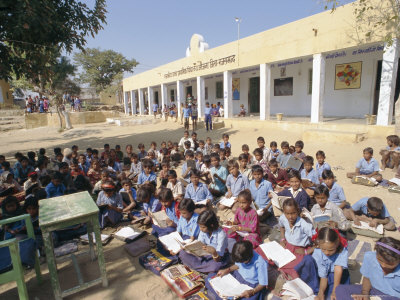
155	109
165	112
186	114
207	116
194	116
189	99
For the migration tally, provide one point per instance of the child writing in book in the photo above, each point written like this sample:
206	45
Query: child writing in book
215	243
336	193
246	220
171	209
260	188
367	166
321	164
391	154
175	186
284	156
147	175
331	257
187	224
326	207
198	191
145	195
277	176
295	190
219	173
235	183
381	274
110	203
370	210
249	268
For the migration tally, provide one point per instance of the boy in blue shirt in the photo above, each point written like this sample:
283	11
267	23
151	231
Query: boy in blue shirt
372	211
219	173
186	115
309	176
367	166
284	156
336	193
147	175
55	188
260	188
225	142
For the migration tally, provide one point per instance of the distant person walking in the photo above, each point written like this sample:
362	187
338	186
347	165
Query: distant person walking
207	116
155	110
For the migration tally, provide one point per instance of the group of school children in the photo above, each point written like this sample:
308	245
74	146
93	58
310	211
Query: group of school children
140	183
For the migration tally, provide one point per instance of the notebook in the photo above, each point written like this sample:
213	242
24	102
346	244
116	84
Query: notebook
202	202
294	163
128	234
365	229
279	255
315	220
227	201
277	203
297	289
159	218
173	241
228	286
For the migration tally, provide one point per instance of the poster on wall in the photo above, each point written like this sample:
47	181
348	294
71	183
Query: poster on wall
348	76
236	88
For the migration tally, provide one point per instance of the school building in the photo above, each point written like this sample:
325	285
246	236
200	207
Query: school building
314	67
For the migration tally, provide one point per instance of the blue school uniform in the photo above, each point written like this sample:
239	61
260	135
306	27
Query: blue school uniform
272	153
199	194
326	264
260	194
85	167
366	167
388	284
55	191
283	159
217	240
133	192
300	234
336	194
255	271
222	145
237	184
312	175
184	169
154	205
189	228
171	212
142	155
361	205
221	172
321	168
116	201
143	177
186	112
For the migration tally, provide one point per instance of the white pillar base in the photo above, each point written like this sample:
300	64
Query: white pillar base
126	106
180	97
318	88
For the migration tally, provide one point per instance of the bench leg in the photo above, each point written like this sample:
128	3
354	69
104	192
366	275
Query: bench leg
19	272
90	237
99	246
51	262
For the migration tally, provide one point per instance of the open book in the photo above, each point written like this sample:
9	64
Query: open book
195	248
227	201
365	227
315	220
279	255
228	286
173	241
159	218
277	201
306	183
241	233
104	238
202	202
395	180
128	234
297	289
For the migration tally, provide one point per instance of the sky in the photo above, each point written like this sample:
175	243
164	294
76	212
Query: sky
157	32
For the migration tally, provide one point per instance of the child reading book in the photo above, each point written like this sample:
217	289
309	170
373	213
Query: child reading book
367	166
249	268
171	209
110	204
381	271
175	186
331	257
145	195
187	224
260	188
336	193
295	190
215	243
370	210
246	220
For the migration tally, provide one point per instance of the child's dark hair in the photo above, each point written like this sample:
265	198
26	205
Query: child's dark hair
31	155
273	144
175	144
144	192
195	173
74	161
388	254
369	150
147	163
308	160
9	199
187	144
186	131
63	165
321	190
164	164
18	155
188	205
209	219
189	153
140	145
202	142
2	157
95	151
242	252
57	150
299	144
126	181
31	201
42	151
260	139
172	173
245	194
327	234
375	204
215	155
273	163
327	174
258	151
89	150
24	158
206	159
294	174
223	150
232	164
225	135
165	195
6	165
217	146
291	203
284	144
105	145
194	133
257	169
57	176
244	156
320	153
245	147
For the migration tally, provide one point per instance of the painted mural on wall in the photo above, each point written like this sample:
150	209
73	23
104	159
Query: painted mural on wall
348	76
236	88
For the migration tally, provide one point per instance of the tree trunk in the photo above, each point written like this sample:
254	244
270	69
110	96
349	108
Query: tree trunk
59	117
68	124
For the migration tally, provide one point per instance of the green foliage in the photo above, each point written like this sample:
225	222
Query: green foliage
102	68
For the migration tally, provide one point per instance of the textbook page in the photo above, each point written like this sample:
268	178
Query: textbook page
279	255
160	218
127	233
228	286
227	201
196	248
365	226
173	241
297	289
204	202
395	180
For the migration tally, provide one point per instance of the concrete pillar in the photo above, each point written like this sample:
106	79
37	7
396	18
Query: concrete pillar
390	64
228	104
150	96
133	103
179	95
141	102
126	106
265	91
164	96
318	88
201	91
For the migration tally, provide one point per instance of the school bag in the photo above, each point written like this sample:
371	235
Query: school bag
155	262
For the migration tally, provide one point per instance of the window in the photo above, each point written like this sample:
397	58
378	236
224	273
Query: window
219	90
283	86
172	95
309	82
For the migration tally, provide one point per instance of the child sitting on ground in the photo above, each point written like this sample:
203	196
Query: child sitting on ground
277	176
188	165
298	147
110	204
55	188
209	145
284	156
219	174
205	170
309	176
225	141
274	151
10	208
222	156
145	195
242	112
321	165
184	139
187	224
246	150
367	166
198	191
175	186
260	160
260	189
244	168
266	152
142	153
32	180
336	193
391	154
128	194
164	174
147	175
295	190
171	209
370	210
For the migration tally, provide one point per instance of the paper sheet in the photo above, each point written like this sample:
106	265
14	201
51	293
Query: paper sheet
227	201
298	289
365	225
228	286
173	241
127	233
395	180
204	202
279	255
160	218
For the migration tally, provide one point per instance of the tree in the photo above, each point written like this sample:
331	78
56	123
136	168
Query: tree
103	68
377	19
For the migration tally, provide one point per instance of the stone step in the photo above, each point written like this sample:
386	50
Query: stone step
324	135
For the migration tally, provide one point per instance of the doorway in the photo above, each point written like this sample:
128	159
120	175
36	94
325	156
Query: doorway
189	91
156	98
378	87
254	95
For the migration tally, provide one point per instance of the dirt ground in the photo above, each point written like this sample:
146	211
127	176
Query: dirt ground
127	279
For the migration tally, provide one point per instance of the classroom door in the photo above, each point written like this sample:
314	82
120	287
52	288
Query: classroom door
189	91
254	95
156	98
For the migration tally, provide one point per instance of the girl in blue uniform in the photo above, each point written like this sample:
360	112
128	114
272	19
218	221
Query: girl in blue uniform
171	209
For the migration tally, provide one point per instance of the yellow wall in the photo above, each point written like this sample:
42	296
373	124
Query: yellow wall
297	39
6	93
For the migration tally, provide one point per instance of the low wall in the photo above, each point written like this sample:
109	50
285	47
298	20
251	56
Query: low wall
51	120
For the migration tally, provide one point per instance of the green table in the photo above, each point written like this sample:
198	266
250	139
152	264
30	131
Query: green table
60	212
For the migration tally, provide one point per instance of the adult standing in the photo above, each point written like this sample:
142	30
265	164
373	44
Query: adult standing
207	116
155	109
